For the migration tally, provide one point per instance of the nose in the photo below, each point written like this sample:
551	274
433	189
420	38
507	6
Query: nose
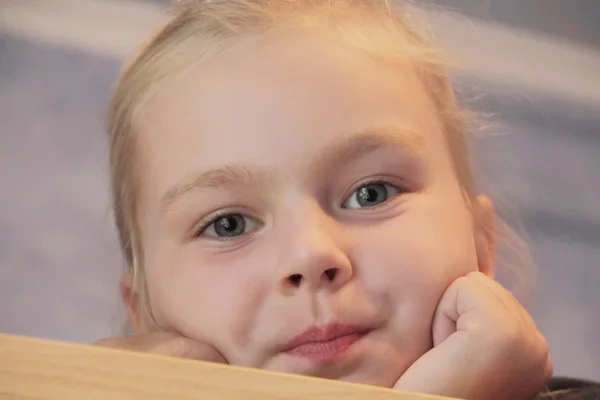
312	255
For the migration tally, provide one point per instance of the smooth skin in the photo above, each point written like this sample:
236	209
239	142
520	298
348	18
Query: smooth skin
300	182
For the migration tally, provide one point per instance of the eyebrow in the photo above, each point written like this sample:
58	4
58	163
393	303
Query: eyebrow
361	144
345	149
213	179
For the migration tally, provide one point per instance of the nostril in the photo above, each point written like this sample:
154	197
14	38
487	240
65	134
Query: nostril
295	279
330	273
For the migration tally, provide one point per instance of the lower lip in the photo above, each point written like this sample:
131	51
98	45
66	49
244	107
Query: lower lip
329	351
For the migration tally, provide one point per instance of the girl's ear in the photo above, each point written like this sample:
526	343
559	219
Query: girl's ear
485	235
131	301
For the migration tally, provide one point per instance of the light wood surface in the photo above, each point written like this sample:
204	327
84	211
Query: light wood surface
40	369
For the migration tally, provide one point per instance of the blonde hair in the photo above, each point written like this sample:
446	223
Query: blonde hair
203	29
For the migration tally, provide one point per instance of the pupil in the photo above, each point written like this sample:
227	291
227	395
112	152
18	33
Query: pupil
231	225
368	194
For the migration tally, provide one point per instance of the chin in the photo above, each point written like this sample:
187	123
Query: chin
366	368
361	376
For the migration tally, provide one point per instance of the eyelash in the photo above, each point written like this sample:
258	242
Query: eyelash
379	181
211	220
221	213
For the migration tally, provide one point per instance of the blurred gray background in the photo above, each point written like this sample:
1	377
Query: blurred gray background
535	76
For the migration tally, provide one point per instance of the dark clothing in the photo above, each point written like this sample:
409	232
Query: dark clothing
570	389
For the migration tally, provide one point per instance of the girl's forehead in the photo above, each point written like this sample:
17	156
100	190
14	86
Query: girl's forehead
277	102
317	80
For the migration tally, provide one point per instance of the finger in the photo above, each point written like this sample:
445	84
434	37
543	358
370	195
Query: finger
182	347
467	303
445	317
505	297
448	370
501	293
143	343
166	344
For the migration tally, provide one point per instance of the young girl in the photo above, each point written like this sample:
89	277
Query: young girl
293	191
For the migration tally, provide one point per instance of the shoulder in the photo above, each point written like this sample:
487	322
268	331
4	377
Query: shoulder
571	389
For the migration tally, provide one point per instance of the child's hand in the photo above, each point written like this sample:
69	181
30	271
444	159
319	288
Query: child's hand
486	346
166	344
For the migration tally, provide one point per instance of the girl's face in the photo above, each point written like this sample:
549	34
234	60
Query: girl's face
299	210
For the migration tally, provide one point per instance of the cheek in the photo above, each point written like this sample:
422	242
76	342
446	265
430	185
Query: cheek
421	245
409	261
207	298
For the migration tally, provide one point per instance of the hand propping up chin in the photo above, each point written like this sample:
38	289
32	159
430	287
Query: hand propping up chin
486	346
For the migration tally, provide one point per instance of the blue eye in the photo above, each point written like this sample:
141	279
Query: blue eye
370	195
229	226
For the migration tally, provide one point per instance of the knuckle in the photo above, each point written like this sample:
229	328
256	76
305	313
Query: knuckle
465	280
181	347
460	283
473	274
